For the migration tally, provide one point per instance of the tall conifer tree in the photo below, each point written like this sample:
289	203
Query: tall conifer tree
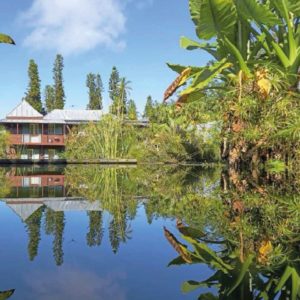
49	95
33	94
113	89
58	82
95	89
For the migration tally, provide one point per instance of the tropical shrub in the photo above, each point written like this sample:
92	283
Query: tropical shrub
256	49
4	142
105	139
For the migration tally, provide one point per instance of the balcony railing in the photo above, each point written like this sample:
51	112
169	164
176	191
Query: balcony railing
31	139
40	139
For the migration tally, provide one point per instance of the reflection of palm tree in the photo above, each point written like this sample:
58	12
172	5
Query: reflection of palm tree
33	224
58	238
95	234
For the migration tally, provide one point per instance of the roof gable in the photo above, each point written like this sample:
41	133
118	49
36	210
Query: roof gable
24	211
24	110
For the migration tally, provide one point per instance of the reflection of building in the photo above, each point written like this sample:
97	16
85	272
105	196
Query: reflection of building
29	192
35	136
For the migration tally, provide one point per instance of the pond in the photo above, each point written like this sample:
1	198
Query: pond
95	232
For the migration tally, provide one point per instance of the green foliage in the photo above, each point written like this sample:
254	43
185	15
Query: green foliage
33	94
119	104
149	109
105	139
256	50
58	253
58	82
177	137
33	224
275	166
49	96
95	234
131	110
113	89
114	81
95	87
4	142
5	185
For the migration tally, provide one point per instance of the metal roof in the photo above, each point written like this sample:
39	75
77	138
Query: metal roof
74	115
25	110
57	116
25	207
25	210
80	205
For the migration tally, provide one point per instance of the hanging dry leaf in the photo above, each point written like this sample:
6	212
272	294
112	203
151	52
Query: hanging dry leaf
180	80
180	248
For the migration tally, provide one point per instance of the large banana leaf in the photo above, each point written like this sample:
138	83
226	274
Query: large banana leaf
6	39
254	11
180	68
213	17
283	8
189	44
203	78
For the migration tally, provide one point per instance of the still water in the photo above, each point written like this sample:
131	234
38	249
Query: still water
95	232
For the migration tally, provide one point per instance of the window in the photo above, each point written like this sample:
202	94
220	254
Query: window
35	180
35	129
55	129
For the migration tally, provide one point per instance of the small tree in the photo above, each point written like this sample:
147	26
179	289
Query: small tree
49	95
149	109
33	94
131	110
58	82
95	88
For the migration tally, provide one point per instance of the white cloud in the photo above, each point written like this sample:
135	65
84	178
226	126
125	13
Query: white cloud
76	284
74	26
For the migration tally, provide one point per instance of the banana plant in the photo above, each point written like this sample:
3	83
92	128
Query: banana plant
240	35
234	278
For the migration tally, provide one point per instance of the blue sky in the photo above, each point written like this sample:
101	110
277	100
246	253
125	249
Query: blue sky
137	36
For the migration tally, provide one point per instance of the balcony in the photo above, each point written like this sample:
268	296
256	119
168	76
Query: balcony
38	140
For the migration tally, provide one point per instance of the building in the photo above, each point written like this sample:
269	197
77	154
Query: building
34	136
33	188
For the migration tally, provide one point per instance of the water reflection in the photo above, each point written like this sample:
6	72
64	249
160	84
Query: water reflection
243	229
41	197
253	244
